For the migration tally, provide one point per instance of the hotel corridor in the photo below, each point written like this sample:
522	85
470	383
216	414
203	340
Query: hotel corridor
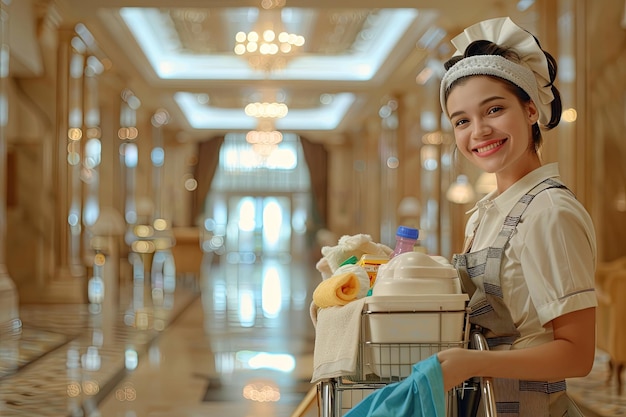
131	128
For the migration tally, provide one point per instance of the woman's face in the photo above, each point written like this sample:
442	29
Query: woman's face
492	127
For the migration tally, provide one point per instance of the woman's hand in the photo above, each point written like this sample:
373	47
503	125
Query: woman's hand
569	355
457	365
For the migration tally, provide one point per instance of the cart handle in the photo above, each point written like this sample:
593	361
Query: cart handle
480	343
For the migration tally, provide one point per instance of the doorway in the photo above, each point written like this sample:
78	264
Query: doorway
258	226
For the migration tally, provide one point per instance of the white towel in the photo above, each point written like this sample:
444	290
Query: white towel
337	337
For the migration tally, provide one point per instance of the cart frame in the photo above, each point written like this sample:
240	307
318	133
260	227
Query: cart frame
379	364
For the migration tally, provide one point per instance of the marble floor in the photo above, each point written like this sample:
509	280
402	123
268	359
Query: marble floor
235	341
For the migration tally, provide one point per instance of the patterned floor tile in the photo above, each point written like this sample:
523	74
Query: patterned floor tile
597	392
67	357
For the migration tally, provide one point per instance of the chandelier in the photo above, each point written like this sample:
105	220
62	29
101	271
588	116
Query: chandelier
267	110
265	138
269	46
265	134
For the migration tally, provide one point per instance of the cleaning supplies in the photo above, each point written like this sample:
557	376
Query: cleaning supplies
406	238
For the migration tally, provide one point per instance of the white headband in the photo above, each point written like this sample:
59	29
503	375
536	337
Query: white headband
530	74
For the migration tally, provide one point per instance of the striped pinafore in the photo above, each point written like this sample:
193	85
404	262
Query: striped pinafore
480	277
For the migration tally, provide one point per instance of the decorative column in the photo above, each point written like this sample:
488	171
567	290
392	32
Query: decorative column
389	170
103	286
67	282
9	303
163	270
436	161
340	182
368	176
75	155
408	209
93	146
129	156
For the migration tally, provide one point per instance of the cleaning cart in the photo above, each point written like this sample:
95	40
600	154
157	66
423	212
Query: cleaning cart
416	310
380	362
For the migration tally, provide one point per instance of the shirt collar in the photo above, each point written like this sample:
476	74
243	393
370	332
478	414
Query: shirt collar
505	201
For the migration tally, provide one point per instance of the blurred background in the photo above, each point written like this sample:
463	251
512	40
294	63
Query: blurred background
161	156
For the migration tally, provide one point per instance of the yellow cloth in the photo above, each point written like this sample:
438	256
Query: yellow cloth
337	290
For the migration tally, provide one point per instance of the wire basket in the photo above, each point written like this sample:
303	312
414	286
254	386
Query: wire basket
392	341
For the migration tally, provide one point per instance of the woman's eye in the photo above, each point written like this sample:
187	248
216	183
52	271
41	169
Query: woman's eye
460	122
494	109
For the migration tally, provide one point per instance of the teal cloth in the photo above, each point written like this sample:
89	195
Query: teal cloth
419	395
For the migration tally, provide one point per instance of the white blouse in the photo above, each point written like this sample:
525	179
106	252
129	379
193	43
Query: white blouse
548	266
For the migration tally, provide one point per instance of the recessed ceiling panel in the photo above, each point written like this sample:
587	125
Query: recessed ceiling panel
327	115
346	53
179	49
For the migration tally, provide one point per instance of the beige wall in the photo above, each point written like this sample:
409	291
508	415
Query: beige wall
606	122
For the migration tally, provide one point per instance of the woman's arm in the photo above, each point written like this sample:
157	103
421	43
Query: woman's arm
570	354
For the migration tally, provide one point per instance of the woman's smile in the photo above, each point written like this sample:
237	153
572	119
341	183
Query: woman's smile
489	148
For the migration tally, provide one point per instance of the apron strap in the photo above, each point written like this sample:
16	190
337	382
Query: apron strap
487	305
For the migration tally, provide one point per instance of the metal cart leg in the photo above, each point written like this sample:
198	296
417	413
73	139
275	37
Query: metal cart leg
488	397
326	391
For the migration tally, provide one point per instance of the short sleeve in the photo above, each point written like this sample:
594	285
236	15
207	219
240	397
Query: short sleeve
559	256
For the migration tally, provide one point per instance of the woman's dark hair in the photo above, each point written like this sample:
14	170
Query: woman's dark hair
483	47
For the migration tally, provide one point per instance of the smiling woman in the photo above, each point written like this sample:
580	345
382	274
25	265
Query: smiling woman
530	256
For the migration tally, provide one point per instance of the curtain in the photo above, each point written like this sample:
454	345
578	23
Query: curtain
208	160
316	158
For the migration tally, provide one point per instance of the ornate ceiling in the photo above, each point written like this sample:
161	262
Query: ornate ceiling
178	54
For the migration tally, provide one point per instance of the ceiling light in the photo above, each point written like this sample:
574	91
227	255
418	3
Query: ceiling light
460	191
261	137
273	4
265	138
264	133
268	47
267	110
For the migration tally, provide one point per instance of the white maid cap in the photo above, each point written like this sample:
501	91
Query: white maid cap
531	73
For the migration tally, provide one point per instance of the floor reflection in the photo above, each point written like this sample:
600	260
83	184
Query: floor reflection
243	348
236	341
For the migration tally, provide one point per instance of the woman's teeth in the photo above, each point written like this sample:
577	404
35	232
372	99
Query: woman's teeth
489	147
